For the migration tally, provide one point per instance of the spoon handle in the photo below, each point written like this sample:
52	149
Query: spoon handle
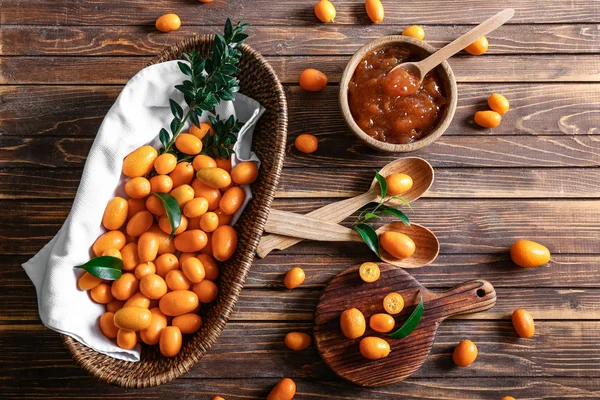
334	212
463	41
307	227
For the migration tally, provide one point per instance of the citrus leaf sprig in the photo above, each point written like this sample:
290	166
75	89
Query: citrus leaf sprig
411	323
225	137
375	211
210	81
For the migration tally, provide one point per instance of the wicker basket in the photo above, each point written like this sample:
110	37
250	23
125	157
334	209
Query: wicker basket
257	80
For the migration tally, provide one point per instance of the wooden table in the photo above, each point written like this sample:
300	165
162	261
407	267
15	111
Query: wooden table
63	62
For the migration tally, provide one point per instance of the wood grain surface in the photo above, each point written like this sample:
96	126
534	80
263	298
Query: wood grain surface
117	70
536	176
550	109
292	12
316	39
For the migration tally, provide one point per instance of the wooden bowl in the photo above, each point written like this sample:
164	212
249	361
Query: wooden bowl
423	50
257	80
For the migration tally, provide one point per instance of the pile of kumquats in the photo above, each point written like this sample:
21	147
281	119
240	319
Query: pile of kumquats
166	275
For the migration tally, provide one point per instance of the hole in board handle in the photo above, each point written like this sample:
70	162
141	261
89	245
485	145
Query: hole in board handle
481	293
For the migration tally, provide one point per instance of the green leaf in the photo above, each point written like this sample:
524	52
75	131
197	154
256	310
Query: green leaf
104	267
369	216
172	210
411	323
227	96
239	37
368	234
228	28
403	200
229	69
382	184
185	68
396	213
199	68
176	109
175	124
183	89
194	119
164	137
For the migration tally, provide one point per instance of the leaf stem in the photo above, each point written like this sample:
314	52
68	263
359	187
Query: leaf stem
170	144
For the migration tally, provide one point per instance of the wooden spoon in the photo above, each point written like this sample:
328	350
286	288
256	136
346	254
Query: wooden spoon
418	169
347	290
421	68
302	226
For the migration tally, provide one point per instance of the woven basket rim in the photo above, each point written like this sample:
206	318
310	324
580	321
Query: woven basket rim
261	217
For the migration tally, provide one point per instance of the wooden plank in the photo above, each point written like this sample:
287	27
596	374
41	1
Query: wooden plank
332	39
551	109
464	151
298	305
117	70
467	226
256	350
450	183
344	151
132	12
80	386
559	68
39	183
20	305
69	70
565	270
62	111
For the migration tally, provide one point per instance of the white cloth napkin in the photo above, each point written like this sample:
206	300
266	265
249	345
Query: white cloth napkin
134	120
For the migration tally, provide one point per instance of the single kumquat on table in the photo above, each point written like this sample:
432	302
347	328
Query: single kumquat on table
523	323
478	47
325	11
414	31
465	353
294	278
312	80
285	389
306	143
297	340
374	10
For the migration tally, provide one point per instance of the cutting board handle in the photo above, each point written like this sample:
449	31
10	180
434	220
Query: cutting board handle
466	298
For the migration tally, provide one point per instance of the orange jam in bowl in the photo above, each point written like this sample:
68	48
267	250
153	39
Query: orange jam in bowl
394	107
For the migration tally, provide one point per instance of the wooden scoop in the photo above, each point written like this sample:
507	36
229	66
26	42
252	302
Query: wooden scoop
418	169
347	290
302	226
421	68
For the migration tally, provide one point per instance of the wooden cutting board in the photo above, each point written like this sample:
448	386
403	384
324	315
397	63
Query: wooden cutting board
347	290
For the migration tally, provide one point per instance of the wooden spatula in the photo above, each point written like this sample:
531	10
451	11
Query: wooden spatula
347	290
421	68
